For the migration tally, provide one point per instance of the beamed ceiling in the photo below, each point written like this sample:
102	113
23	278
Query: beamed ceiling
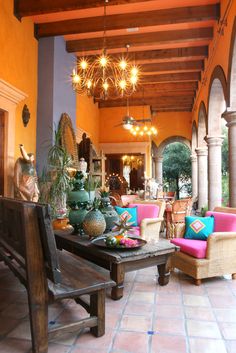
169	39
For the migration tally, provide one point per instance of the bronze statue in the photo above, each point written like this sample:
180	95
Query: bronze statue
25	177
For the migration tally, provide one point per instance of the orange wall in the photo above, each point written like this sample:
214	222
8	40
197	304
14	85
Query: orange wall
87	117
167	124
110	117
220	55
18	66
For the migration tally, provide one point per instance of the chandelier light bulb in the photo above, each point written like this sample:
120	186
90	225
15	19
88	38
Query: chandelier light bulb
103	61
89	84
133	80
137	128
134	71
122	84
105	86
83	64
141	133
76	78
145	128
123	64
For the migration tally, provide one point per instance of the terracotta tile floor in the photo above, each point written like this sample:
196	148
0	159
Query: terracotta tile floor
177	318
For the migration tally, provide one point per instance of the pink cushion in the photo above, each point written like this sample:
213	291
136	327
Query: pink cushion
195	248
145	211
224	222
134	231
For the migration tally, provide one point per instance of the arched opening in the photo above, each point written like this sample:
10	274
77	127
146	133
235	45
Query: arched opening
232	70
202	124
216	107
174	153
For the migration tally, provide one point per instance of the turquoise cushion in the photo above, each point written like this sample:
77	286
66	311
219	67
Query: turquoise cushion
198	227
130	213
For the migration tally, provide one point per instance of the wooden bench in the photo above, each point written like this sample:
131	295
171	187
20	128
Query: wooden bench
27	246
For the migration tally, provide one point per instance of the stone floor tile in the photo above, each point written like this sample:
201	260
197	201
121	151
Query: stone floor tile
169	326
203	329
205	345
223	301
189	288
199	313
231	345
16	311
136	323
8	324
86	339
168	299
141	297
196	300
169	311
168	344
138	308
131	342
228	330
58	348
223	291
12	345
112	320
225	315
21	331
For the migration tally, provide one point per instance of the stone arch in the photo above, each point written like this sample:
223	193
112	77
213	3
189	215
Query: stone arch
172	139
202	125
216	101
216	106
231	88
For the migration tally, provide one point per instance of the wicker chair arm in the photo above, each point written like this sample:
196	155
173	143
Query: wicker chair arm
150	228
221	244
146	221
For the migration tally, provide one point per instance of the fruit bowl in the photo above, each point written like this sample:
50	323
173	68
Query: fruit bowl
119	242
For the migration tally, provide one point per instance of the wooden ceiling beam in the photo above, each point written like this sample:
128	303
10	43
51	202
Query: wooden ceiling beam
130	20
23	8
152	93
197	65
172	109
163	55
179	77
169	86
163	101
157	38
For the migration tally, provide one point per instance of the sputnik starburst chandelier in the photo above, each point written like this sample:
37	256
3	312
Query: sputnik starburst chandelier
105	77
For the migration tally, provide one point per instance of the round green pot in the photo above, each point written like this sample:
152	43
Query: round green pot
109	213
76	217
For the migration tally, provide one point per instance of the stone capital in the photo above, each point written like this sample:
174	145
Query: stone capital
193	157
214	140
201	151
230	117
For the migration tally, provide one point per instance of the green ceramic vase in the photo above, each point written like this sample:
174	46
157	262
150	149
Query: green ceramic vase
109	213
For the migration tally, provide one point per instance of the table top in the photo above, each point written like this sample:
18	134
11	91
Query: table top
83	243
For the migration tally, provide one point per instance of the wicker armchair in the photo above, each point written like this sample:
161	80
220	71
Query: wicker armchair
150	218
218	253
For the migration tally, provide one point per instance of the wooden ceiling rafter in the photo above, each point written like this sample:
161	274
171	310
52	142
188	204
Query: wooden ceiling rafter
153	38
169	41
24	8
133	20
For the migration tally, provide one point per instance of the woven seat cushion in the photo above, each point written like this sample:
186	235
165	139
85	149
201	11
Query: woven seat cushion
195	248
145	211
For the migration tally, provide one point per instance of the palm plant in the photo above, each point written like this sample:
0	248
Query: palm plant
57	181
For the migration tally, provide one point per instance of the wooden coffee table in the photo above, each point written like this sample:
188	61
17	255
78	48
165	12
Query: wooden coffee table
118	262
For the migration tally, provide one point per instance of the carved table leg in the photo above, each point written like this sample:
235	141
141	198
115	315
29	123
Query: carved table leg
164	274
118	275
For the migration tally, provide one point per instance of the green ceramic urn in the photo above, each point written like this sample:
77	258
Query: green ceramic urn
109	213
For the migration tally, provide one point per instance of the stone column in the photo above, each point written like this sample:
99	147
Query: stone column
202	177
154	167
159	169
214	144
230	117
194	175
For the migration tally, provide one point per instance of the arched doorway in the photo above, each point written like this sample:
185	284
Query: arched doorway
202	153
164	145
216	107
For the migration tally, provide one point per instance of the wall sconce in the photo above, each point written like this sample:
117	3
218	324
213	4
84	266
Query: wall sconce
25	115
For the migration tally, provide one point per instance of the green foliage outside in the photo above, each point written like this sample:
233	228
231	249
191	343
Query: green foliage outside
225	168
177	168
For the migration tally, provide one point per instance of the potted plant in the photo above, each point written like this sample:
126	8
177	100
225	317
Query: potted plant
55	182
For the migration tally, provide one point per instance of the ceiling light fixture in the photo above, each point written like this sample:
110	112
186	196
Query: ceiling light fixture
105	77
